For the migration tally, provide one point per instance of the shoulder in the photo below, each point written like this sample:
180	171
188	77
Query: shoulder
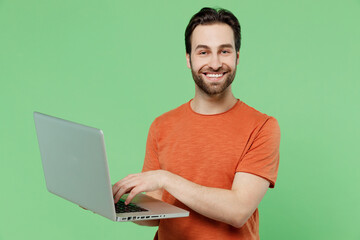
251	113
256	119
173	114
168	118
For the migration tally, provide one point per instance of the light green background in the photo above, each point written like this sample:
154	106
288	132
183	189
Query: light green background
116	65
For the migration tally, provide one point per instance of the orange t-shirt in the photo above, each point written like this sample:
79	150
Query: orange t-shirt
209	150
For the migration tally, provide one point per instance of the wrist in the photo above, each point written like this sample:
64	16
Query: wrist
165	178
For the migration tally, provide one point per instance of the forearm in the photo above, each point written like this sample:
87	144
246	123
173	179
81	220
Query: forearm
215	203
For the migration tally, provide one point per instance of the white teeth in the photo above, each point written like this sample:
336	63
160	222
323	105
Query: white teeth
214	75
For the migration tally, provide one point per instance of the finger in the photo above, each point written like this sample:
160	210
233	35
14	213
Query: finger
123	181
116	187
122	190
119	194
136	190
119	185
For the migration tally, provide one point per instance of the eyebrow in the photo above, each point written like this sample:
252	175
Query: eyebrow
228	45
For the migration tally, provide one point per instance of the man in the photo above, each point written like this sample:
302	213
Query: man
214	156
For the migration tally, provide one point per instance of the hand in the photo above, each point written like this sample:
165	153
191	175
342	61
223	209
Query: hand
137	183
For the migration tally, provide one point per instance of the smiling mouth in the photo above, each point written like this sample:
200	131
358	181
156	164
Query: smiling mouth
214	76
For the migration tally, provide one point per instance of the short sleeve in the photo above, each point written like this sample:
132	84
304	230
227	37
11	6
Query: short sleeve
151	161
262	157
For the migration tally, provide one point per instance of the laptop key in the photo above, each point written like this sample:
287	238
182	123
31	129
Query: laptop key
120	207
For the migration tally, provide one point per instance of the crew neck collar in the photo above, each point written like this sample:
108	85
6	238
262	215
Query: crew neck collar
216	114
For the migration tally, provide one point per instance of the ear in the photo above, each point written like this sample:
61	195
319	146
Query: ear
188	60
237	57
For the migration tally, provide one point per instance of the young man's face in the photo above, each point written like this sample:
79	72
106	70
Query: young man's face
213	57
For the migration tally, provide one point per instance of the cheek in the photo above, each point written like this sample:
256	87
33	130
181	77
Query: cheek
198	69
231	63
197	64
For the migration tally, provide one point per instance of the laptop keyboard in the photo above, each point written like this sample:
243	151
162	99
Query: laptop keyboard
120	207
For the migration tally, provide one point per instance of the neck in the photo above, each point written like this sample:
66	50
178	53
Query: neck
214	104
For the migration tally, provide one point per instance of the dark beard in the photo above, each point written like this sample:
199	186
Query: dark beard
213	88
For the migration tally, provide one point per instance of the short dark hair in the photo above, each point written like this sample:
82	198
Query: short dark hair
208	16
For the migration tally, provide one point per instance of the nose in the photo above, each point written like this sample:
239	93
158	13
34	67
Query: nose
215	62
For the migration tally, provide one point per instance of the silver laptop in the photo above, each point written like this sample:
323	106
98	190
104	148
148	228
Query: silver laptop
75	167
